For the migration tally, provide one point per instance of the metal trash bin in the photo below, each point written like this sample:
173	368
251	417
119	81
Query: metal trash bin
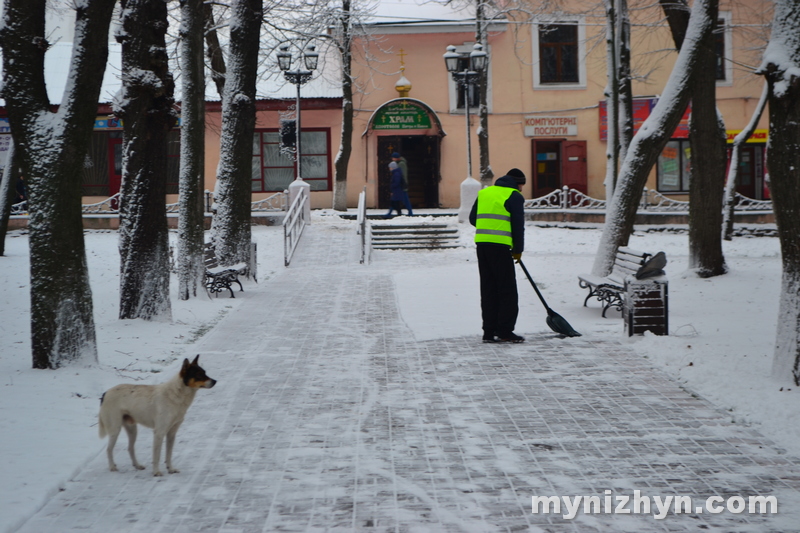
646	305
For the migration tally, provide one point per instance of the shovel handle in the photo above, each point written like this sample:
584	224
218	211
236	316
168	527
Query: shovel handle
539	294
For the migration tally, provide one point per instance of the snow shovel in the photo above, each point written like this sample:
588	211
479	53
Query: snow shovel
556	322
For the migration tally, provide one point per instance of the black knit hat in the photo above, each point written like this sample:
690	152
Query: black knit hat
517	174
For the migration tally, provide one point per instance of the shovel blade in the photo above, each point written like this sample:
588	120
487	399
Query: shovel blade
559	324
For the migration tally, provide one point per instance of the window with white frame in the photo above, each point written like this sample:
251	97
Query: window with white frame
559	54
274	170
724	49
457	92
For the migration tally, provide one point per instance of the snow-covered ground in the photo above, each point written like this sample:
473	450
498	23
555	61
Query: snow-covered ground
720	345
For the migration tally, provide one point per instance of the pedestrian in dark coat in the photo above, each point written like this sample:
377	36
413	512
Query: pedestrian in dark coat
396	189
403	164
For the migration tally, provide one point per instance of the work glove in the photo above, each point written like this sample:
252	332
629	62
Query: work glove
517	257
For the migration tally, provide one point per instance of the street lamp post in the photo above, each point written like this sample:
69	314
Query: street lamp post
298	78
465	79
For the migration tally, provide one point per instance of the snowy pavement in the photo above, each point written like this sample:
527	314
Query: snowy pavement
330	416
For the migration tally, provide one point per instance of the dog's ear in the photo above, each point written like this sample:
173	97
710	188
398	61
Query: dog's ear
185	366
196	359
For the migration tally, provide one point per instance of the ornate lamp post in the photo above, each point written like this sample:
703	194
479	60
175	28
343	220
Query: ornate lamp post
465	79
297	78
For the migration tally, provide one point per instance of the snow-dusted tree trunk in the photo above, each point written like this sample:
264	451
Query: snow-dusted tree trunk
612	102
781	66
624	76
707	135
618	92
706	188
346	146
213	49
231	225
648	143
732	181
485	169
146	110
52	147
190	224
8	194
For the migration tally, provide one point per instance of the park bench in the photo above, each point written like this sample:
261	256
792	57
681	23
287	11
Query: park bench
609	290
221	278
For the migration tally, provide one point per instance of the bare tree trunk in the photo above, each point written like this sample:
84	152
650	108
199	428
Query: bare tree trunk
52	147
612	103
213	49
8	194
678	14
707	185
648	143
346	147
624	76
732	181
146	110
231	225
782	58
191	271
486	173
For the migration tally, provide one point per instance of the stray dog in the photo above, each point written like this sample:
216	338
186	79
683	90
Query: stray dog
160	407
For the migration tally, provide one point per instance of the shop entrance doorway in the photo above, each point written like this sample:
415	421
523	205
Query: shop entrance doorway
422	156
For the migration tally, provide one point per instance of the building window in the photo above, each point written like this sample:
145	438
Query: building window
173	161
674	167
96	170
102	167
723	49
558	51
274	170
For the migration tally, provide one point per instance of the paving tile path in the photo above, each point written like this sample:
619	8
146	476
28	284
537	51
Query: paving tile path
328	416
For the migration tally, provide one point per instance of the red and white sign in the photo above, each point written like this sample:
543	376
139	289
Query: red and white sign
550	126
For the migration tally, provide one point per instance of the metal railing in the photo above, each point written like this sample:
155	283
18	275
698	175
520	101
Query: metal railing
651	201
278	202
293	224
364	227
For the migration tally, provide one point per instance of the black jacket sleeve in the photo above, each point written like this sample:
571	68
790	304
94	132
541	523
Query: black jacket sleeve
473	214
515	206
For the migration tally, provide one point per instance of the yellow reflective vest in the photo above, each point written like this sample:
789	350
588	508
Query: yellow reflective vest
493	221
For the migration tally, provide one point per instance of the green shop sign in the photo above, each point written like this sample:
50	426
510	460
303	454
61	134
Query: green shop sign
401	116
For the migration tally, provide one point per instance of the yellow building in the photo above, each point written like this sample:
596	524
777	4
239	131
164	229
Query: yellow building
546	79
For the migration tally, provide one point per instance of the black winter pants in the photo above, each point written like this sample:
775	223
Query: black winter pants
499	300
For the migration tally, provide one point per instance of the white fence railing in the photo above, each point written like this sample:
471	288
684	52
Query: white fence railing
293	224
278	202
364	227
652	201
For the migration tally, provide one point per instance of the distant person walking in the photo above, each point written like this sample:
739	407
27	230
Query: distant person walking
22	191
499	222
403	164
396	189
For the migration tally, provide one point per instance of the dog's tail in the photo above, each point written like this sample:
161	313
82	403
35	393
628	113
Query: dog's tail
100	426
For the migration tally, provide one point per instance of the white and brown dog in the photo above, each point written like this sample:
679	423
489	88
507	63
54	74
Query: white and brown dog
160	407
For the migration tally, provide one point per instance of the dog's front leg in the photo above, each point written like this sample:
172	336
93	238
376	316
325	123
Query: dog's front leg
170	443
158	438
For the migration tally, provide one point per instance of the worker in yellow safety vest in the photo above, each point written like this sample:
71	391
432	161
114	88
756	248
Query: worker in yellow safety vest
499	221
